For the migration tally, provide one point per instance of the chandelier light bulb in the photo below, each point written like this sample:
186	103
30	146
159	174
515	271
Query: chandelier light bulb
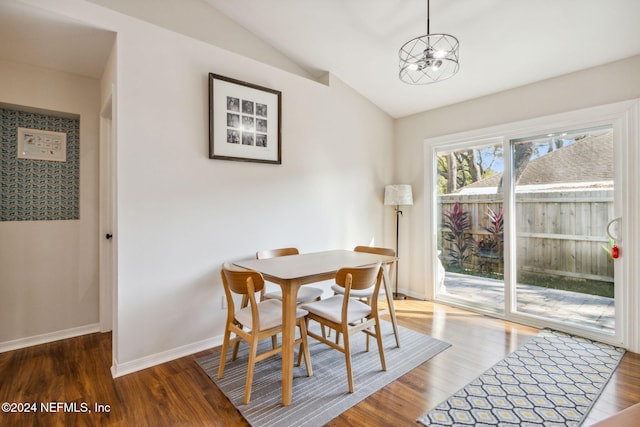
440	54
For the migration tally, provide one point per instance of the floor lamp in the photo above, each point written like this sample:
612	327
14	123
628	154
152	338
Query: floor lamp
398	195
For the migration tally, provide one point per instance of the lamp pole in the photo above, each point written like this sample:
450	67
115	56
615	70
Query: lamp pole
396	294
398	195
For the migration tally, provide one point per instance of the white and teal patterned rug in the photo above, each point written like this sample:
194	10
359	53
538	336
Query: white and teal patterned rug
553	380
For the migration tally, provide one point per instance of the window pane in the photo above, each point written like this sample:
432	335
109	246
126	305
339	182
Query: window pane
470	226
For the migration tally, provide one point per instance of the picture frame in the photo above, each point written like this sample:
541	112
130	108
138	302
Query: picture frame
244	121
36	144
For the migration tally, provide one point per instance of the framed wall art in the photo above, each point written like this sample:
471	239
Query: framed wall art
244	121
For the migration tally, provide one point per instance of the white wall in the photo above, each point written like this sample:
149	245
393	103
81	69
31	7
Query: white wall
181	215
592	87
49	269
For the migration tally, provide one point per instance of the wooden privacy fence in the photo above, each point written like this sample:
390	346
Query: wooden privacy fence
557	232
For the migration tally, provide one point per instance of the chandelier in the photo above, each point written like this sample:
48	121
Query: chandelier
429	58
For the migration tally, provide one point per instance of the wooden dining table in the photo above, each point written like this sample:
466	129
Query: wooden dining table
293	271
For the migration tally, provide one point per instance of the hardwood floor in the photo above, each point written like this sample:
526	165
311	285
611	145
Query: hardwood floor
178	393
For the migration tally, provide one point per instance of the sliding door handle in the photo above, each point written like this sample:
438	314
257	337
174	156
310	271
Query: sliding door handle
614	238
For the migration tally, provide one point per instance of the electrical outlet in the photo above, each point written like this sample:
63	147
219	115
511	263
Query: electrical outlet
224	303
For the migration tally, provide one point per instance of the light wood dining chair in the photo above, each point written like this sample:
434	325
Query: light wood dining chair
305	293
261	320
347	315
367	294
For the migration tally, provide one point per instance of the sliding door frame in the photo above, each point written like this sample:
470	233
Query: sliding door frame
625	118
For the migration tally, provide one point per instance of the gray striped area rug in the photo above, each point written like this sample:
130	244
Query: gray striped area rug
325	395
552	381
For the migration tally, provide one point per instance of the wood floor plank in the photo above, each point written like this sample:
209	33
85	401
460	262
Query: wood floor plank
179	393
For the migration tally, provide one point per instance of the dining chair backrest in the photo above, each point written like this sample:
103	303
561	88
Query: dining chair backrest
378	251
359	277
272	253
375	250
241	281
305	293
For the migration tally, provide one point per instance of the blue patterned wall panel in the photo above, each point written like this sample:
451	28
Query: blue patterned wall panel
37	190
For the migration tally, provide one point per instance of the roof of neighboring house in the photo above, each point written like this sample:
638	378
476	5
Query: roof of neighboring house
587	162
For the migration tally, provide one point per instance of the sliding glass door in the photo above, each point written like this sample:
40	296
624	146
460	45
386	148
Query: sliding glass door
564	200
525	225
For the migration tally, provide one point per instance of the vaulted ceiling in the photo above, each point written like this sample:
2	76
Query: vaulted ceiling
503	43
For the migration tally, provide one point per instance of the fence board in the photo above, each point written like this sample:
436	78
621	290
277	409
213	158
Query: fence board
557	232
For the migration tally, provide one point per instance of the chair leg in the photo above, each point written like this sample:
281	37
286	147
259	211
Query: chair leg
300	348
368	336
390	305
223	353
380	346
306	326
394	322
236	346
347	357
304	348
253	350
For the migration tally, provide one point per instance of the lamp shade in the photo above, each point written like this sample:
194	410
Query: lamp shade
398	194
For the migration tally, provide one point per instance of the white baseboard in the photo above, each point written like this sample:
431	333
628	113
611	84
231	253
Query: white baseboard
120	369
49	337
117	370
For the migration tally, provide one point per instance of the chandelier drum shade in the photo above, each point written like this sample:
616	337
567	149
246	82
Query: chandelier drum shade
429	58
